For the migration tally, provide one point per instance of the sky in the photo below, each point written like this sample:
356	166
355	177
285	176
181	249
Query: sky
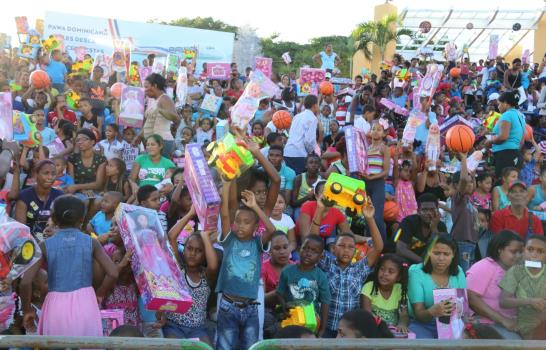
294	20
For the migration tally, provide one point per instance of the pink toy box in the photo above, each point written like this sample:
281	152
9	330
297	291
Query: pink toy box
158	277
203	192
111	319
452	327
357	145
18	249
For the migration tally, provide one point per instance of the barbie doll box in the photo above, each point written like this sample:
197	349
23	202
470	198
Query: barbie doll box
356	144
451	327
203	192
158	277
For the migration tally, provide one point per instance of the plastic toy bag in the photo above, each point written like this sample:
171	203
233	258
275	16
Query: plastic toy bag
230	157
18	249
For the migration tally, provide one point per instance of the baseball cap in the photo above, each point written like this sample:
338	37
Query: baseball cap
517	183
328	75
492	97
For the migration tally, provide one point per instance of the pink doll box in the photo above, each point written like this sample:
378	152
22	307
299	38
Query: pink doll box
111	319
203	192
158	277
356	144
451	327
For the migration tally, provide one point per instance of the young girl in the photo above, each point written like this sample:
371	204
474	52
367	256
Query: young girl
481	198
378	169
129	152
186	136
71	305
204	132
386	294
63	179
524	287
500	193
258	133
111	147
404	175
279	254
283	222
125	294
362	324
199	265
65	132
116	178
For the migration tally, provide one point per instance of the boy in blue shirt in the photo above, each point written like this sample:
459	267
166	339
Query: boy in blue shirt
239	277
101	222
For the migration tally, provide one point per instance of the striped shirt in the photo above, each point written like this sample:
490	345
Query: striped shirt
375	163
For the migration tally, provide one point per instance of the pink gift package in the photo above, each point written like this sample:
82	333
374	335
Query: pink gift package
111	319
451	327
203	192
357	145
158	277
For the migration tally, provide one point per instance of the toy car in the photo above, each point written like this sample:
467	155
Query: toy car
345	192
18	250
302	316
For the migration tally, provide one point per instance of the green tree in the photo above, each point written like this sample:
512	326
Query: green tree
379	33
201	23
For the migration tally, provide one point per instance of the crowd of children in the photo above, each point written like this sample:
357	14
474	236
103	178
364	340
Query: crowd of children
280	244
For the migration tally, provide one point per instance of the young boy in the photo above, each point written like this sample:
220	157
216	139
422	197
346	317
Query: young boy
148	196
464	215
305	283
129	152
101	222
363	122
63	179
88	120
345	278
239	276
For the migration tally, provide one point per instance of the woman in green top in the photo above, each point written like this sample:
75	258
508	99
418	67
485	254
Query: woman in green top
440	270
152	168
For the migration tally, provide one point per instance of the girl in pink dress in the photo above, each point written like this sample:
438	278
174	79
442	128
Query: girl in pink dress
404	190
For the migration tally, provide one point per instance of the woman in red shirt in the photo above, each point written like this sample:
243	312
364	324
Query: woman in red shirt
333	218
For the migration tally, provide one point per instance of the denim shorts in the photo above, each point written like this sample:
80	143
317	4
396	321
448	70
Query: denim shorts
173	330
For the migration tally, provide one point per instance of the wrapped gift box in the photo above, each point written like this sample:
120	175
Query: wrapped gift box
222	128
203	192
158	277
357	154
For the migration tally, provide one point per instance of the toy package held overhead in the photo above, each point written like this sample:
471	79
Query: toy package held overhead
230	157
157	275
451	327
427	86
173	63
491	120
211	104
51	43
133	76
25	131
222	128
432	147
27	51
345	192
394	107
105	62
309	81
143	72
160	62
22	24
258	88
34	38
357	154
415	119
111	319
218	71
118	61
451	51
493	47
132	106
6	116
72	99
181	87
202	188
18	249
264	65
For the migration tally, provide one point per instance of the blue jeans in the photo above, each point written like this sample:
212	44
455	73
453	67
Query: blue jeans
424	330
467	254
236	326
172	330
376	191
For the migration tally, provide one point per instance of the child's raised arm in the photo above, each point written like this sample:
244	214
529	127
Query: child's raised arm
210	256
368	211
174	232
224	209
270	170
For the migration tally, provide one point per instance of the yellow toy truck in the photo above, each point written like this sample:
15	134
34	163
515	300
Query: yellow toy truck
303	315
345	192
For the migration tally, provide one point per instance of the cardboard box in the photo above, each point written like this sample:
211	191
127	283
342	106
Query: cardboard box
222	128
111	319
202	188
158	277
451	327
357	154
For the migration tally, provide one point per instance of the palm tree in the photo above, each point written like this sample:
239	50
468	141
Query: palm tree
379	33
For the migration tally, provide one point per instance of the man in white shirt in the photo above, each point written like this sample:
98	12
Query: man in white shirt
302	139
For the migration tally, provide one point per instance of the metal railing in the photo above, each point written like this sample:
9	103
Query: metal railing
418	344
43	342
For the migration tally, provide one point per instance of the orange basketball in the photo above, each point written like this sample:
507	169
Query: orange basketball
455	72
528	136
282	120
326	88
116	89
39	79
390	211
460	138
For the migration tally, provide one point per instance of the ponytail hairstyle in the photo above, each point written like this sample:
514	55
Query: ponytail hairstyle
68	211
402	275
510	97
366	325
